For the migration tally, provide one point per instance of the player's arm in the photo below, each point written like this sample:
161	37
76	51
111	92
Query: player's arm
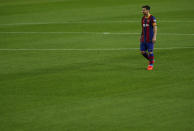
154	29
155	33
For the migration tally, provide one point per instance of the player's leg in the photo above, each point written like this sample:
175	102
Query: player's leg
151	58
151	55
143	49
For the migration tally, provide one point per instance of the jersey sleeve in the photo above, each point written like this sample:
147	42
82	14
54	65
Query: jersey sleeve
154	21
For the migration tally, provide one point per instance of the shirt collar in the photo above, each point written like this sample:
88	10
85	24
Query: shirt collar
148	16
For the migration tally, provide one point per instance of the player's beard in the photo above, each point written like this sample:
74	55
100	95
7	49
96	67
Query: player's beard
144	13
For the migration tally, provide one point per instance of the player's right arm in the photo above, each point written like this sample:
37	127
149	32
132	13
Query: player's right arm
141	29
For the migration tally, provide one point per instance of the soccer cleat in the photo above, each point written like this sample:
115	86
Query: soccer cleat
150	67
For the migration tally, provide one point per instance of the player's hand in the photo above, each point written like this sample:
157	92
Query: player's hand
154	40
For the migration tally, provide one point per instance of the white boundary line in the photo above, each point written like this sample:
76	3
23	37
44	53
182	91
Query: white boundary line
97	22
101	33
99	49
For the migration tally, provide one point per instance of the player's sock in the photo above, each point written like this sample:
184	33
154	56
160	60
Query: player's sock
151	59
145	55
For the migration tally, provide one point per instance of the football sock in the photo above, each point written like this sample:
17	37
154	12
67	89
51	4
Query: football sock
151	58
145	55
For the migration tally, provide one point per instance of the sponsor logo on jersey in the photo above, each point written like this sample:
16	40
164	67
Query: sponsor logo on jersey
146	25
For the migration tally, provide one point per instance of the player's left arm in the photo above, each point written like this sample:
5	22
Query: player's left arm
155	30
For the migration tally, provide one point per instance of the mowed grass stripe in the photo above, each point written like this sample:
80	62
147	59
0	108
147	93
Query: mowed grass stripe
96	22
102	49
104	33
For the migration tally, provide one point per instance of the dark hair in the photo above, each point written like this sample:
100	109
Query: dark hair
147	7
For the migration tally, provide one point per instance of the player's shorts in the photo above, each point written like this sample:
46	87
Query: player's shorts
146	46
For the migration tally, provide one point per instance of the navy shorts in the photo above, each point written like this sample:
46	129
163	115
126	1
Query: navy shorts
146	46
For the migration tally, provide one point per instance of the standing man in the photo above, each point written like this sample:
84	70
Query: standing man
148	36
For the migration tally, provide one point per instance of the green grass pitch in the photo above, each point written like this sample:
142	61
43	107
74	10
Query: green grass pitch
74	65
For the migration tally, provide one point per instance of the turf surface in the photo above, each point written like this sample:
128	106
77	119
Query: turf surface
95	88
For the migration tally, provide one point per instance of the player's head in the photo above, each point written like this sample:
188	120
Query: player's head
146	9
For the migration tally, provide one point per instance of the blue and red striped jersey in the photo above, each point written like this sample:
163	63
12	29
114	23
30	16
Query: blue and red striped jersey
147	28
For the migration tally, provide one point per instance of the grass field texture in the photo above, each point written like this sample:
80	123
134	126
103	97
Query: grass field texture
74	65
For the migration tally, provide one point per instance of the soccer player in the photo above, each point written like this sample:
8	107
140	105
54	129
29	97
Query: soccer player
148	36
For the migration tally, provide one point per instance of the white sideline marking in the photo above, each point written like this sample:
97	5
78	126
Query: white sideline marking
110	49
103	33
96	22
